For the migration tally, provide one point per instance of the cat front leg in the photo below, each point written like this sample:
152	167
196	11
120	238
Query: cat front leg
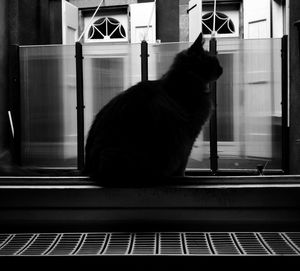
180	171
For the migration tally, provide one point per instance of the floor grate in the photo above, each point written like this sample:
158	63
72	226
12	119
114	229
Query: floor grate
250	244
151	243
196	243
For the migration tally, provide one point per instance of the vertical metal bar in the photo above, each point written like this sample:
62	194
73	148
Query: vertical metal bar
80	106
213	119
14	102
284	104
144	60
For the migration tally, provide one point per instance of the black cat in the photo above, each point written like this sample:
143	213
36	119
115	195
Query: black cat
147	132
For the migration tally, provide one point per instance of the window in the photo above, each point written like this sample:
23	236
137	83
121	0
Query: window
227	21
107	29
223	24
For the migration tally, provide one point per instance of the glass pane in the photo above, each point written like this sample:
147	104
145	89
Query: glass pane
160	59
107	70
48	106
248	99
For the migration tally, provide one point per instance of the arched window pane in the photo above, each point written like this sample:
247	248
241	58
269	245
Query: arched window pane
108	28
223	24
122	31
95	34
205	30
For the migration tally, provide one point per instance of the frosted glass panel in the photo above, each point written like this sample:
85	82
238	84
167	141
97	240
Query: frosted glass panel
249	113
48	106
161	57
249	104
108	70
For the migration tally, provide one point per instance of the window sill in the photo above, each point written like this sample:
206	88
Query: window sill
206	201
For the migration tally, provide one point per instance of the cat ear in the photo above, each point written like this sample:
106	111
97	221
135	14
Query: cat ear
198	44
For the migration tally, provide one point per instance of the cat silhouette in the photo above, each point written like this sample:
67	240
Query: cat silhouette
146	133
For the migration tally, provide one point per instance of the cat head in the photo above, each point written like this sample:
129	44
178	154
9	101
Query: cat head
202	63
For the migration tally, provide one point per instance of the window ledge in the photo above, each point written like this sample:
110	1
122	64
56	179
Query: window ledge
78	201
188	192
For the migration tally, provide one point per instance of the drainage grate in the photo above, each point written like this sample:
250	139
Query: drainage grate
150	243
93	244
277	244
15	243
223	243
144	244
250	244
196	244
170	243
118	244
66	244
3	237
40	245
294	238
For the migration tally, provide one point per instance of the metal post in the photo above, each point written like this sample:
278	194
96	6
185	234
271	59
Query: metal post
213	119
80	106
14	103
284	104
144	60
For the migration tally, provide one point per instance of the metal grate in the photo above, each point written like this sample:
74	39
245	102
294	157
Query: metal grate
93	244
277	244
294	238
144	244
223	244
15	243
196	244
150	243
66	244
40	245
118	244
250	244
3	238
170	243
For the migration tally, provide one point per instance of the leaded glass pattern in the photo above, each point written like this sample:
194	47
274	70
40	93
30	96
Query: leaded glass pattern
105	29
223	24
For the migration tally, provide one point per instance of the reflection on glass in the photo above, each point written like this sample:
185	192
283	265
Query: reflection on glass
249	109
48	106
